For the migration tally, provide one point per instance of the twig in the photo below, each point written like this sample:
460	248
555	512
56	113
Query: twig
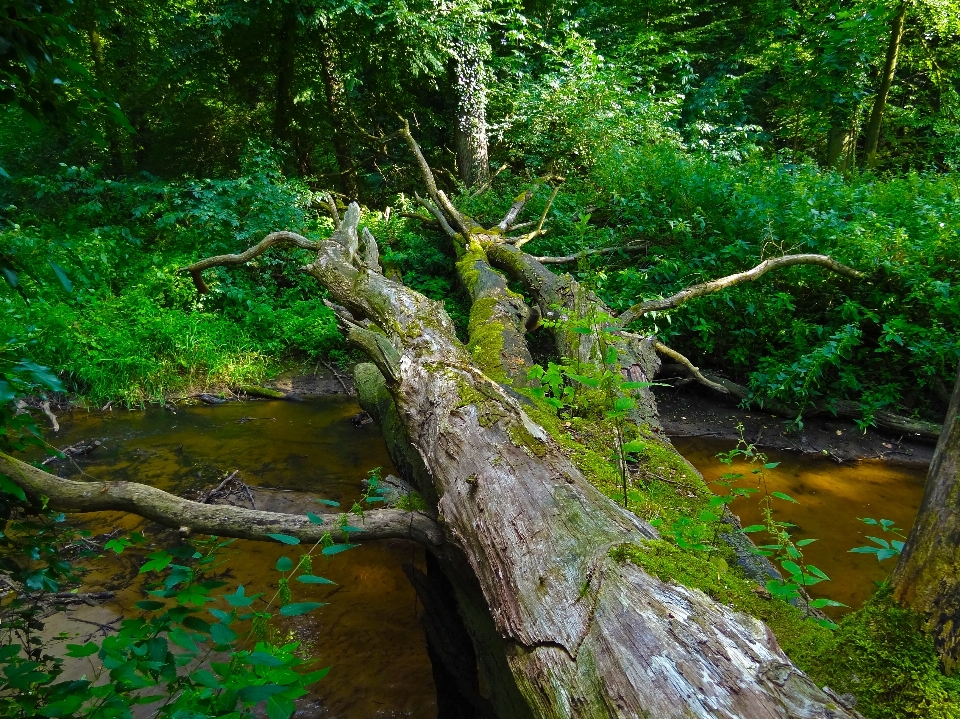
339	378
586	253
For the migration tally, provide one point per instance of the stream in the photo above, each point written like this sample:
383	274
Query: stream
830	498
369	631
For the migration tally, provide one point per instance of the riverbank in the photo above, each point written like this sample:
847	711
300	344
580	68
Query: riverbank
688	412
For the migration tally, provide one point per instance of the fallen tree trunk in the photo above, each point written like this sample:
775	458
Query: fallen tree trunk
582	634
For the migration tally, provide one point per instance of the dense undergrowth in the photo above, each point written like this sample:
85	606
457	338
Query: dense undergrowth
801	336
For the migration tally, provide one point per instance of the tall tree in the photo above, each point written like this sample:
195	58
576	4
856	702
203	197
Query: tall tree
927	577
886	80
470	92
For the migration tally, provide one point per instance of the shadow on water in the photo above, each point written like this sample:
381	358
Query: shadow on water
831	497
369	631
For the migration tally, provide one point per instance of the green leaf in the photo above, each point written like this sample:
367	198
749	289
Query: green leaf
787	497
337	548
259	693
238	599
206	678
264	659
62	276
284	538
82	650
298	608
158	560
771	465
182	639
328	502
791	567
313	579
637	385
753	528
279	707
8	486
196	624
314	518
820	603
634	446
148	605
284	564
882	542
805	542
350	528
222	634
587	381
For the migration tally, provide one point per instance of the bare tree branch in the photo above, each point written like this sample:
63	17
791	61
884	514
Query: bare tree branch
524	239
586	253
641	308
521	201
694	371
220	520
437	214
274	238
453	215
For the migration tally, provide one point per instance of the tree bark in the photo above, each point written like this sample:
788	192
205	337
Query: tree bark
839	146
886	80
336	94
470	130
927	577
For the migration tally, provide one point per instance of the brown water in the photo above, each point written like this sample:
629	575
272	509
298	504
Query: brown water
369	631
831	497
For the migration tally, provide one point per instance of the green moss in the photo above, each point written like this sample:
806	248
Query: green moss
486	338
521	437
881	654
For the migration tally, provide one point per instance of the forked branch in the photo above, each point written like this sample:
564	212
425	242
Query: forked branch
776	263
274	238
691	368
220	520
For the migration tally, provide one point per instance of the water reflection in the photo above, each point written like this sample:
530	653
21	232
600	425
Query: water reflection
369	631
831	496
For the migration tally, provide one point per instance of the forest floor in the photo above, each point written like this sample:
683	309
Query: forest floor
688	412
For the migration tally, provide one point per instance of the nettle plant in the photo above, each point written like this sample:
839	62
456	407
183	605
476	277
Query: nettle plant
884	549
783	549
562	387
196	651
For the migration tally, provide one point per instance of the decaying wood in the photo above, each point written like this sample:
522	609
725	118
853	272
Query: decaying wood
221	520
584	635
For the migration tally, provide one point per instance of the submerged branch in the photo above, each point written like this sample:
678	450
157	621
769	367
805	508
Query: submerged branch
195	517
776	263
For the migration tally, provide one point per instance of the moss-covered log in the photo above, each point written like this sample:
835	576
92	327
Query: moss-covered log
927	577
582	634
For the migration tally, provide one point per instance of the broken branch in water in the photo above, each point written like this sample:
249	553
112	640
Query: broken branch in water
220	520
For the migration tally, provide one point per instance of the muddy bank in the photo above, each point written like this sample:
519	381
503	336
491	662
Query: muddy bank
688	412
